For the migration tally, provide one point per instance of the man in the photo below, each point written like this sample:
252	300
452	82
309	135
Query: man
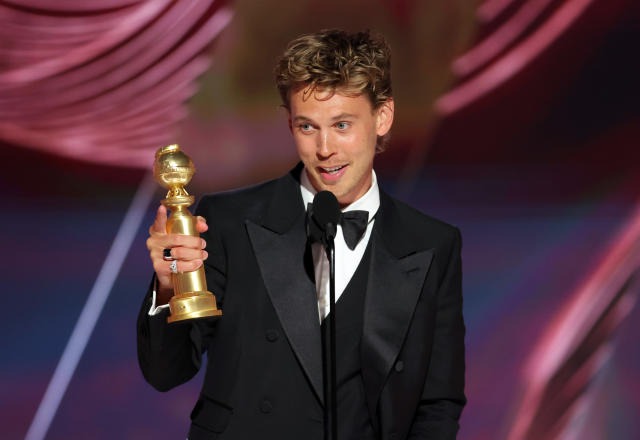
400	333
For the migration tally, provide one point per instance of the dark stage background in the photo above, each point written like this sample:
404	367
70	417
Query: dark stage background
517	120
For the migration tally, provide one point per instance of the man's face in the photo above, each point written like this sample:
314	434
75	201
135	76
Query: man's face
336	139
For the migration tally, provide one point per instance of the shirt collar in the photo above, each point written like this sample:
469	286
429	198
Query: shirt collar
370	201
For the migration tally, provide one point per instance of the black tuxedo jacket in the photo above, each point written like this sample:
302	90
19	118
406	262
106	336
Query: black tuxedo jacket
264	369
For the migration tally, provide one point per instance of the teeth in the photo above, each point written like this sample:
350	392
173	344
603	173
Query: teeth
333	170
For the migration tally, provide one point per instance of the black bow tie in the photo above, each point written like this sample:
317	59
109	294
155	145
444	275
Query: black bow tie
354	224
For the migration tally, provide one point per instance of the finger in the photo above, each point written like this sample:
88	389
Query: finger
156	243
179	240
179	266
160	223
201	224
187	254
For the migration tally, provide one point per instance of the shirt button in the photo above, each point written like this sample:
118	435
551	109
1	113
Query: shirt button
266	406
272	335
399	366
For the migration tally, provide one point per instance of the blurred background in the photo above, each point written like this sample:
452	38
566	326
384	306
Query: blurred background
516	120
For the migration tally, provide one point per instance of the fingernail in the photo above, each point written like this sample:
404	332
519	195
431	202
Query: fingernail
205	255
204	244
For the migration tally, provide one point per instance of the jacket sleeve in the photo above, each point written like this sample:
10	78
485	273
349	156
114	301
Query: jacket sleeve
443	396
167	353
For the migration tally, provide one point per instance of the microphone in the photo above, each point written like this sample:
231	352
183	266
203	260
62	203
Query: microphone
324	218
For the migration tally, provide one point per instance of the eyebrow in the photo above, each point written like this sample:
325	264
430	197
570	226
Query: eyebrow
339	117
342	116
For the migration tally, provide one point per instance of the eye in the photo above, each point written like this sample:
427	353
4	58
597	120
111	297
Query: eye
305	127
342	125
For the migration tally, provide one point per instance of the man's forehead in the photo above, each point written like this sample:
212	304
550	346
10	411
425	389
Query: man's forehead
335	101
335	108
321	92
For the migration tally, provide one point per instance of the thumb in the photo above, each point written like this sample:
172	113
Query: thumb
160	223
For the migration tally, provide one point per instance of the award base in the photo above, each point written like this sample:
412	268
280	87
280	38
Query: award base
187	306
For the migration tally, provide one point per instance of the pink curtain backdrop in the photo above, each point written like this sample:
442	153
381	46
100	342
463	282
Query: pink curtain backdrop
103	81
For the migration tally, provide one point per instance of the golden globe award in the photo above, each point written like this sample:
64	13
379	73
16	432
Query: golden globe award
173	169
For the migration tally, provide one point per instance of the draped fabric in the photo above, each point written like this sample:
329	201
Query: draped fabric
102	81
516	34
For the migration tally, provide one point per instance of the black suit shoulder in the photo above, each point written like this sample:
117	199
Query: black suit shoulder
419	218
415	230
269	200
248	202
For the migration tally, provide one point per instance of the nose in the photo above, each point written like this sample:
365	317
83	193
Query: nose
325	147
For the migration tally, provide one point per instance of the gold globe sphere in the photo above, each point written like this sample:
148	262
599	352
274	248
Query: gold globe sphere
173	167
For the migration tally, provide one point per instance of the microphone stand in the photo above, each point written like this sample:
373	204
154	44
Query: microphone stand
323	227
330	383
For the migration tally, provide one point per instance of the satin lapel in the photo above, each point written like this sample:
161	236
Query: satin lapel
393	289
279	247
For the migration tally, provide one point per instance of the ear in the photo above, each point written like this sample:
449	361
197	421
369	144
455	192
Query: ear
384	117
